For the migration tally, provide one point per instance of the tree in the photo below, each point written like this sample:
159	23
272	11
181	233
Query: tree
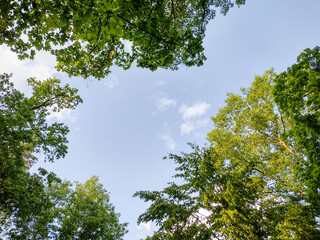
245	184
297	92
42	206
88	214
25	201
88	37
24	132
66	213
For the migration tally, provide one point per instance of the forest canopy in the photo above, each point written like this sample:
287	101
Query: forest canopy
88	37
259	178
40	205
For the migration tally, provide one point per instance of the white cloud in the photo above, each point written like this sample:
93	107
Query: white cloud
111	81
170	143
144	226
127	45
42	67
201	217
204	212
160	82
190	115
64	114
163	103
187	127
194	111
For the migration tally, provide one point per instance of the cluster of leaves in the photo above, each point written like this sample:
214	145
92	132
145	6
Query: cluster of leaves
41	206
248	184
259	178
88	37
53	209
24	130
297	92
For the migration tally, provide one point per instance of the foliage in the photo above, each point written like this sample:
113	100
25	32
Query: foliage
88	37
27	200
25	132
42	206
245	184
88	214
297	92
61	212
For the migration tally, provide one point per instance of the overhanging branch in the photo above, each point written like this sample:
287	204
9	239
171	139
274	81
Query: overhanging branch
147	32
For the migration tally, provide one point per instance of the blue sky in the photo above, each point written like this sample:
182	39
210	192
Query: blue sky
133	118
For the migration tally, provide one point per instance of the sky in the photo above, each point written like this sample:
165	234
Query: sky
130	120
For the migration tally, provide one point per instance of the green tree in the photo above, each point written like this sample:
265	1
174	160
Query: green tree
42	206
297	92
26	202
244	185
87	37
24	133
65	212
88	214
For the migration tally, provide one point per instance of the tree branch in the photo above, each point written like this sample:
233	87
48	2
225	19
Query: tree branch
272	178
147	32
48	102
172	7
282	183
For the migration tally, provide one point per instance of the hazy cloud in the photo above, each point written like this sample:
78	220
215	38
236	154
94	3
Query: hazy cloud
190	115
42	67
144	226
127	45
63	115
170	143
196	110
160	82
186	127
163	103
111	81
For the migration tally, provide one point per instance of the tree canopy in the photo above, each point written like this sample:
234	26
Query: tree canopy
88	37
259	177
25	132
42	206
62	211
246	184
297	92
